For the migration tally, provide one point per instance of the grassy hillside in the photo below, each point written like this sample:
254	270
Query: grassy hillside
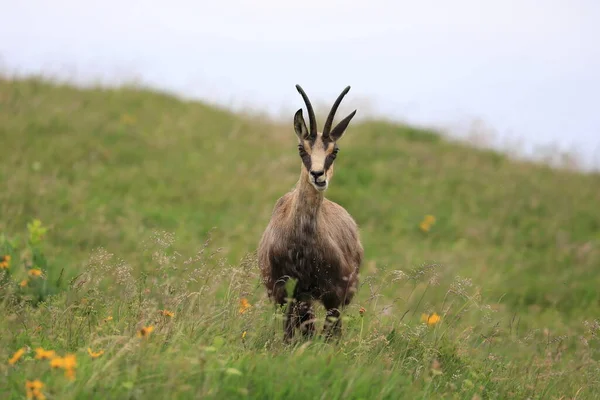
180	192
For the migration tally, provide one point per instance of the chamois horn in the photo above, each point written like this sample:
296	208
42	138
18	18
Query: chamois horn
331	116
311	113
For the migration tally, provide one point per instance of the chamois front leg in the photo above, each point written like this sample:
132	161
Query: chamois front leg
300	315
292	320
306	321
333	321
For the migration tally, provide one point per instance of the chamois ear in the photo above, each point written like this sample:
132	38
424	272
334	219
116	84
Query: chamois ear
340	128
300	126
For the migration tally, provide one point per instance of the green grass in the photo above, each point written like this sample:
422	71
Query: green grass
154	203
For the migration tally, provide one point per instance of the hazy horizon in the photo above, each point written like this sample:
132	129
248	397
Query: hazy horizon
528	73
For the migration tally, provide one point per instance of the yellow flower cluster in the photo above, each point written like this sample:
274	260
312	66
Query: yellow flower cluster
427	223
5	262
68	363
34	273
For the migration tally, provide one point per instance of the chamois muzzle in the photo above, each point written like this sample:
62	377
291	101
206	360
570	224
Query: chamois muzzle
319	179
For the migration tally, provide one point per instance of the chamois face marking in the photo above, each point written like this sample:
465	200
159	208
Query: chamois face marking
317	157
318	150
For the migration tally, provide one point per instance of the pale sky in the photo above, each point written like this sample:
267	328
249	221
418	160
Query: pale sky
528	69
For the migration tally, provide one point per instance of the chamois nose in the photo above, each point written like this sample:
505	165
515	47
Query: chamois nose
317	174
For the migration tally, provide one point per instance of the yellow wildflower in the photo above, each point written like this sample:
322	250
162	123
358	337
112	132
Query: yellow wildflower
95	354
32	385
35	272
41	354
145	331
68	363
109	318
23	283
167	313
34	389
17	356
427	222
244	305
243	335
5	262
57	362
430	319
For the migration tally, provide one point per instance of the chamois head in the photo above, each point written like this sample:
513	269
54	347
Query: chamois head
319	149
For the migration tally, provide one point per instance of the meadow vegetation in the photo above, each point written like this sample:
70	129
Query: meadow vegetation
129	221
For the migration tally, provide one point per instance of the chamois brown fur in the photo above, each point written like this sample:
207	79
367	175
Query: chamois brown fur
310	238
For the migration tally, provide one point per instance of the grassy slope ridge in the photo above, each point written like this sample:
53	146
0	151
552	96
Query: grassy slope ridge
105	168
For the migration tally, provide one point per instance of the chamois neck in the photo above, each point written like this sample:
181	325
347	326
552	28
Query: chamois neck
308	199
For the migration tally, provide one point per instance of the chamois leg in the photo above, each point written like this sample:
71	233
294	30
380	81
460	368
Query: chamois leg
333	321
299	315
292	320
306	322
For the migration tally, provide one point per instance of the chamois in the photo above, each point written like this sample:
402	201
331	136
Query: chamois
310	238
